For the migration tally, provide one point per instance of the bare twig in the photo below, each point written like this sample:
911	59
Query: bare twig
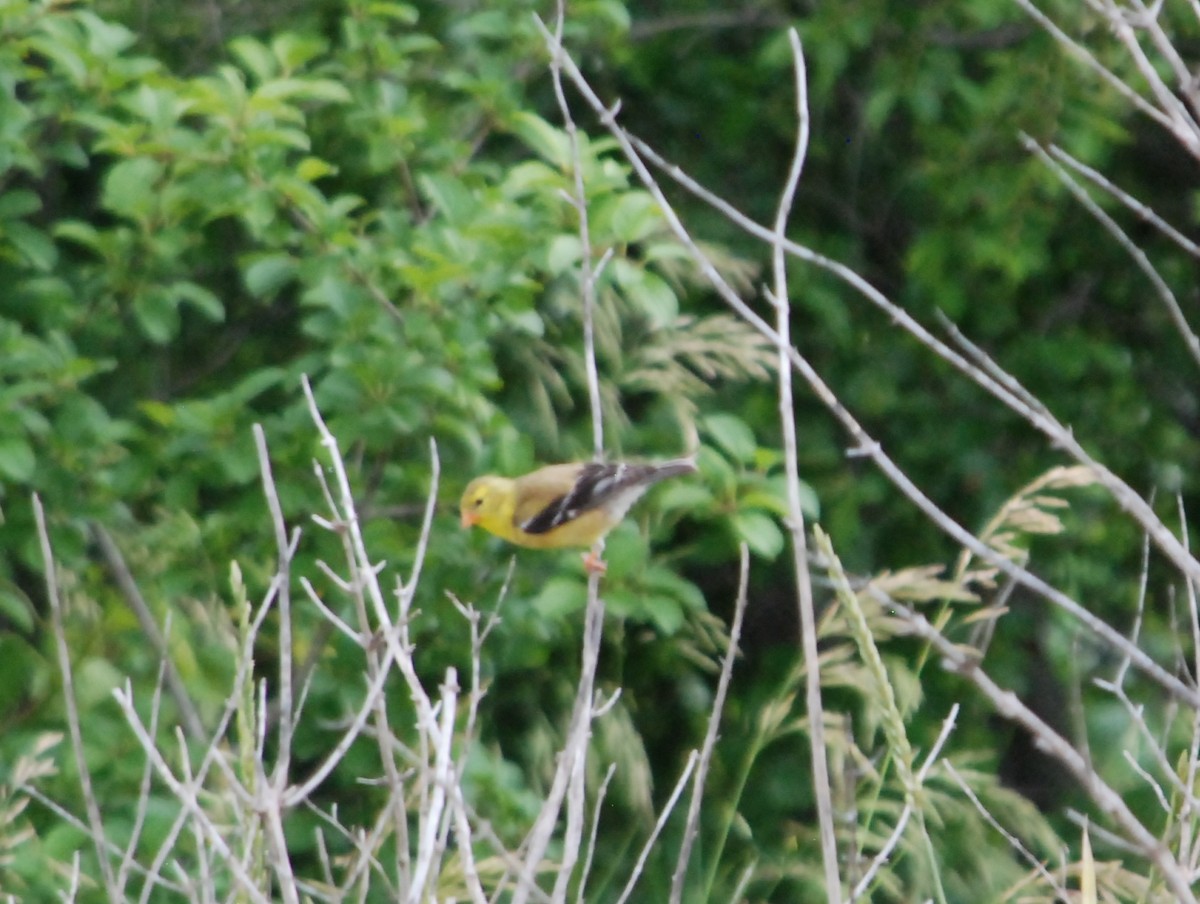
92	805
885	852
574	751
570	774
1013	841
186	794
1052	743
795	520
692	825
595	832
141	611
285	548
143	796
1144	213
588	275
1179	129
667	809
1140	258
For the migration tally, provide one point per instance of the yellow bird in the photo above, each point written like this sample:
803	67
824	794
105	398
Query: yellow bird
563	505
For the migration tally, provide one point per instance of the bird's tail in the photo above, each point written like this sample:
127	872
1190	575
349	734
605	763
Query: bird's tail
674	467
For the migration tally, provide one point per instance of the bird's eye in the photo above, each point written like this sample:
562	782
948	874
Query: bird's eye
476	502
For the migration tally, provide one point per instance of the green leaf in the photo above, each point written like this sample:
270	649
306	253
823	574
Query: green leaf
156	313
625	551
636	216
295	51
647	291
624	602
95	680
543	139
452	198
17	460
254	56
267	275
668	582
732	434
200	298
561	597
310	169
759	532
656	299
665	612
131	188
533	177
564	254
81	233
17	203
105	38
302	89
33	244
688	496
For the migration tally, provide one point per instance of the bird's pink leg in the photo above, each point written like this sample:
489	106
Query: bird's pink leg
593	563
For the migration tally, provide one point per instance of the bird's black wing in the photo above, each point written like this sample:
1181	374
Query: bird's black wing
596	484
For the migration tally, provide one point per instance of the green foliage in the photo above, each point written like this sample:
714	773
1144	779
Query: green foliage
373	202
374	194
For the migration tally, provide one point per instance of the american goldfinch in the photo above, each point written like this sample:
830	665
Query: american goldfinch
562	505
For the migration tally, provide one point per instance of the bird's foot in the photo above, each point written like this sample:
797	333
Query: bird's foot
593	563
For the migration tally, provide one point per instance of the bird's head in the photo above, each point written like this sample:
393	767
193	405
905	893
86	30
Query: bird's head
483	500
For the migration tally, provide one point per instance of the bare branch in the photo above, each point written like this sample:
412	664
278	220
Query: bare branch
1140	258
795	521
667	809
692	826
137	604
95	821
1048	740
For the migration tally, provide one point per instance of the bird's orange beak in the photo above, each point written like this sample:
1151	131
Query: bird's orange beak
469	519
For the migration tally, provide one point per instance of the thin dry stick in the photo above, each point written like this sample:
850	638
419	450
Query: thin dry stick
999	384
380	719
203	866
398	649
1014	842
214	754
574	750
570	774
1060	436
1049	741
692	824
1188	841
137	603
668	808
795	522
1144	213
143	794
270	813
95	821
1084	55
431	816
1140	258
66	817
578	200
285	548
885	852
1162	94
576	813
187	795
594	833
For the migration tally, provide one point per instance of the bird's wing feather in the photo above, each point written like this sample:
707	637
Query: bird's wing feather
542	491
571	490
